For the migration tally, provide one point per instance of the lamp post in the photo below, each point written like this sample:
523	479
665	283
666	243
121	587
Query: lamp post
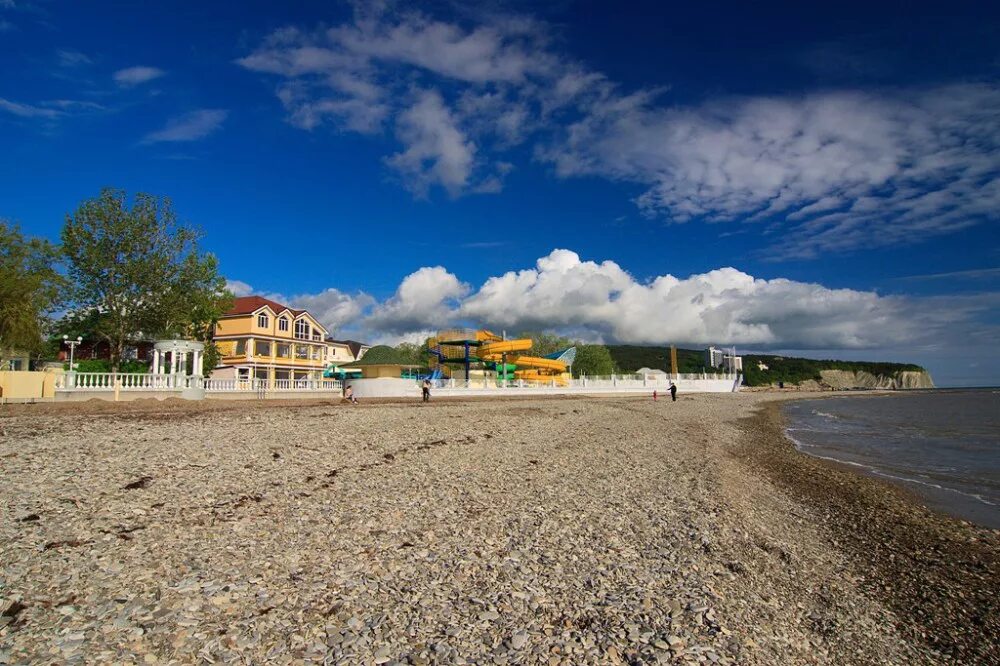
72	347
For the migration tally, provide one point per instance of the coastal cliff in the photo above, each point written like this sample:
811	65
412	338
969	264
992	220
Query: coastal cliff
860	379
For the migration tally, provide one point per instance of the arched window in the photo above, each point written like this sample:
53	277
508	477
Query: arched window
302	329
263	321
282	323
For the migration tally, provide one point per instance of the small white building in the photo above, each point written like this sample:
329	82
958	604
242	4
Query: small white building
651	374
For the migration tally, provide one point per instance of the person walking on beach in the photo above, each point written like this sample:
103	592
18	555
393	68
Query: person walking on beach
426	388
673	392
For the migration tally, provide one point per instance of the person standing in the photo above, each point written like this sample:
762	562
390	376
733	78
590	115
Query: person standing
673	392
426	389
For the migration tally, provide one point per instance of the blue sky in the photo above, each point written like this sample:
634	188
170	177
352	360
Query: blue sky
775	176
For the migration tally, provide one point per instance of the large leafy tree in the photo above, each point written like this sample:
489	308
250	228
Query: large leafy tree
140	271
593	360
30	289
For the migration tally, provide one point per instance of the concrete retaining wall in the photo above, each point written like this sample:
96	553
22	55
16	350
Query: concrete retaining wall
384	387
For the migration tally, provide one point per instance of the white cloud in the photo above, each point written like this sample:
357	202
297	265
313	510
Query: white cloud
239	288
334	308
189	127
600	301
27	110
345	77
487	53
425	299
829	171
846	169
133	76
437	152
723	305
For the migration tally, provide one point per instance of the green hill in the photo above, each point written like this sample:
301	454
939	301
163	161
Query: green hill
788	369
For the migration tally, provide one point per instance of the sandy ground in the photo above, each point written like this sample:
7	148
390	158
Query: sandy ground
571	531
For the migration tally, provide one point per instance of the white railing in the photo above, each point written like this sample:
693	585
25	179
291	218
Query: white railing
217	385
127	381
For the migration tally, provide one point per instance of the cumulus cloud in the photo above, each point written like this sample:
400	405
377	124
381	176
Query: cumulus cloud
425	299
133	76
334	308
828	171
724	305
599	301
189	127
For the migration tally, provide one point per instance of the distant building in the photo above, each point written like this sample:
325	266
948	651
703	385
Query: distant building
718	358
714	357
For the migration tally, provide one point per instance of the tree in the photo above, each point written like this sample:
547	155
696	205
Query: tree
543	343
140	271
414	353
29	290
593	360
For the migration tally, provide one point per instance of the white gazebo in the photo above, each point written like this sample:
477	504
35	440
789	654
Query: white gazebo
170	357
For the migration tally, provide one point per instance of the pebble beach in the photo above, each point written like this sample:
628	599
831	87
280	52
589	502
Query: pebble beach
527	531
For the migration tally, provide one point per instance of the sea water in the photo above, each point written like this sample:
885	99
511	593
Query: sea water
943	444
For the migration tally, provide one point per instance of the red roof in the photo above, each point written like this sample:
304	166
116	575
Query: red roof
249	304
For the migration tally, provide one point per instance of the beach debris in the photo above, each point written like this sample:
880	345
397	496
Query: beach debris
141	482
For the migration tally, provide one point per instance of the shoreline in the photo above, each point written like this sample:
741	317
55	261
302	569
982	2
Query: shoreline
938	573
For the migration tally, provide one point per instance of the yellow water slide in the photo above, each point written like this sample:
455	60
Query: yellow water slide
536	367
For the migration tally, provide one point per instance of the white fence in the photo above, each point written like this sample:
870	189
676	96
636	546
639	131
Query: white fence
128	381
105	381
623	382
216	385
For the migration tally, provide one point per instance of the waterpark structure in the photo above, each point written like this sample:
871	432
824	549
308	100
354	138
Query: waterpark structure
456	351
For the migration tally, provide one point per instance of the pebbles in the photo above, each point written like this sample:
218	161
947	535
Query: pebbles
483	533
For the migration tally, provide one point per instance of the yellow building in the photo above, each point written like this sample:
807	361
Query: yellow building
261	339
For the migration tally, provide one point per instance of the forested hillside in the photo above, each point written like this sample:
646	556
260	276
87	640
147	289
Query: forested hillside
787	369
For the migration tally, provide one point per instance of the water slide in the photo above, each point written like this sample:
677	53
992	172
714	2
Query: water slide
532	368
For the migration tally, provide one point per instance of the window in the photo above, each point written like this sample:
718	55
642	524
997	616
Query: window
241	347
284	350
315	353
263	321
302	329
262	348
301	351
282	323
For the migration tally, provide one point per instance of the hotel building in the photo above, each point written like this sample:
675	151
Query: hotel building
261	339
